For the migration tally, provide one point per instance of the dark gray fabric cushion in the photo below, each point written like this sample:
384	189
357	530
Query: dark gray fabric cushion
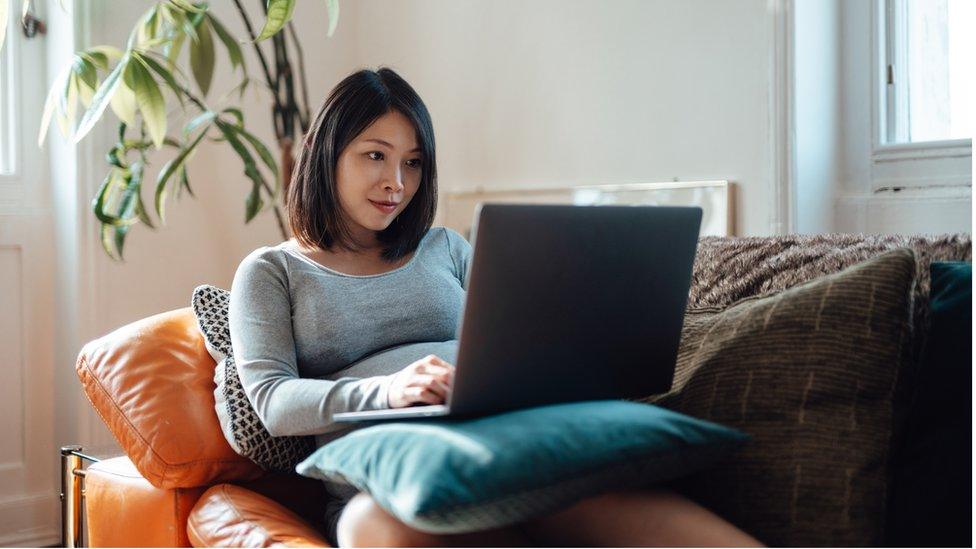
810	373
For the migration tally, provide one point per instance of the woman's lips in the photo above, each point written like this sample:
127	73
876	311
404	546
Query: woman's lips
383	208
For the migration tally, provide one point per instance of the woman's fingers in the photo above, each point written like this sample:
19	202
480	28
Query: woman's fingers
439	385
435	369
427	380
424	395
434	360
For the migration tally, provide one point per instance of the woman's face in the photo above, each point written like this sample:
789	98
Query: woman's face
381	165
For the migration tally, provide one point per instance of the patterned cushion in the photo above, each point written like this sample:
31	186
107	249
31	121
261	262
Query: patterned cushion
811	374
239	422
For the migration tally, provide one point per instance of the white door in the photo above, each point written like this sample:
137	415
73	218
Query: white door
29	485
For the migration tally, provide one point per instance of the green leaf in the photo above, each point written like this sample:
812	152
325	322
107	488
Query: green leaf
85	69
107	231
127	205
112	181
50	103
150	101
147	30
187	25
185	181
253	202
186	6
120	233
99	60
101	99
233	47
86	94
4	14
166	13
332	7
167	76
202	57
70	102
167	171
279	13
172	50
112	156
266	156
141	212
110	52
148	44
86	79
202	118
138	33
238	115
124	104
261	149
63	99
243	87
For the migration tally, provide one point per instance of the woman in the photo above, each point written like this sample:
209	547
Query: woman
360	310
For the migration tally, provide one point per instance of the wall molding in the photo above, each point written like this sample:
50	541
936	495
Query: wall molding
92	311
88	290
917	195
26	510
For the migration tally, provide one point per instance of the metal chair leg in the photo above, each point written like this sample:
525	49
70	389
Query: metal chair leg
72	492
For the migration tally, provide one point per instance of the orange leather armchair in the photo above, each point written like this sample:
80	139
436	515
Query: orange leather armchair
180	484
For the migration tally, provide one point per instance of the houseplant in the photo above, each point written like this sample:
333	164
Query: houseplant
147	77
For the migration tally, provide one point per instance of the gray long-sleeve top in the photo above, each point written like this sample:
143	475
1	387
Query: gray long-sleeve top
309	341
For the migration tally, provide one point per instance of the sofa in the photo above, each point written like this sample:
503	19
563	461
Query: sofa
180	484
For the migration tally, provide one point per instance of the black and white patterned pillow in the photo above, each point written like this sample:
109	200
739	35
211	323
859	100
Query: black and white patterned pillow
239	422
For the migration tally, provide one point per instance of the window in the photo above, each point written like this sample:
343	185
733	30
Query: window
8	122
928	78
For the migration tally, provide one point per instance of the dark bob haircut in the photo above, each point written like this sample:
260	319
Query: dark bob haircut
313	200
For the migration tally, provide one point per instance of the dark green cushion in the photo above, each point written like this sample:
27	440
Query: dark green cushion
452	476
931	501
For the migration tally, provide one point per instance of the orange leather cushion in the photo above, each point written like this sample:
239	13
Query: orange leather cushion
152	383
123	510
232	516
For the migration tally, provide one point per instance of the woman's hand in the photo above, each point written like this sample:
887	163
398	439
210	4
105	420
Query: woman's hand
426	381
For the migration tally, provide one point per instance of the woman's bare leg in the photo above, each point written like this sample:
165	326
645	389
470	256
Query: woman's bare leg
364	523
637	519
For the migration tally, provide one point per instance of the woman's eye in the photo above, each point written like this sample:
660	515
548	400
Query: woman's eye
369	154
416	163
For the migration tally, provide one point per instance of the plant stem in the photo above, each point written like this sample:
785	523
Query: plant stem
280	70
192	97
264	65
303	118
292	112
250	32
276	111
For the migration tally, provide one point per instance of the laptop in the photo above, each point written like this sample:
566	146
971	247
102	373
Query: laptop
567	303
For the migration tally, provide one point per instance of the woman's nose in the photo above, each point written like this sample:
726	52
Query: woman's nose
392	180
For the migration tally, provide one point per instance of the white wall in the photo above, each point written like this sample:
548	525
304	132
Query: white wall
544	93
550	93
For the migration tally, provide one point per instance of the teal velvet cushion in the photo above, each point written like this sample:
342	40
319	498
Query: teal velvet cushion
931	502
453	475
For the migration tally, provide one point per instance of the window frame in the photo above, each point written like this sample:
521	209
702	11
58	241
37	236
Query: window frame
899	165
10	83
